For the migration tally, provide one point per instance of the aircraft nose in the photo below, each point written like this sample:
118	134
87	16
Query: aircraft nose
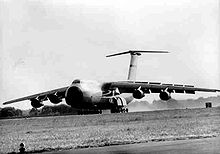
74	96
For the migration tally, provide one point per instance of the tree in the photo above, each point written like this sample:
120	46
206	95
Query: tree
10	112
19	112
33	112
46	110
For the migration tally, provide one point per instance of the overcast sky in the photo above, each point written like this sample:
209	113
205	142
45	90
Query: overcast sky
47	44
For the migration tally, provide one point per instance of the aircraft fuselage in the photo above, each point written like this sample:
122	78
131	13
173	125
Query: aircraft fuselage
84	94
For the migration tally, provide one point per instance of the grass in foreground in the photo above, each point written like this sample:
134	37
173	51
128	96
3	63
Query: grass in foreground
67	132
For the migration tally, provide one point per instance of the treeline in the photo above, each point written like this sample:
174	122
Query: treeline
52	111
11	112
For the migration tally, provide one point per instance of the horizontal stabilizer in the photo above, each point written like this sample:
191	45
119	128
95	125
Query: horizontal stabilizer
136	52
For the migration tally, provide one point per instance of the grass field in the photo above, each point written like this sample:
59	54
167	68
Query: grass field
80	131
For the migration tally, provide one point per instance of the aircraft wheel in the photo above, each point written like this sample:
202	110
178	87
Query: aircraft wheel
115	110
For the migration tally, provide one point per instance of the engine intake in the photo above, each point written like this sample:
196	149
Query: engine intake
35	103
74	96
164	96
138	93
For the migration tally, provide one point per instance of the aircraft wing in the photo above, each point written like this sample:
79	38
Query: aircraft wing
154	87
123	87
41	96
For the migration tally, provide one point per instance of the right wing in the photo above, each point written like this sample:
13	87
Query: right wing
154	87
41	96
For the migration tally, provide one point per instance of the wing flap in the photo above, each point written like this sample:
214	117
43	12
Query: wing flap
155	90
179	91
190	92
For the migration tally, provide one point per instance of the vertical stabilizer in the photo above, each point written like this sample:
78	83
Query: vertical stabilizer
133	66
134	60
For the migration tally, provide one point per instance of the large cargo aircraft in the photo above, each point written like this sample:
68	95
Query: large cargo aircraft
94	95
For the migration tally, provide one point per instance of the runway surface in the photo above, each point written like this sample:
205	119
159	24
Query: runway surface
192	146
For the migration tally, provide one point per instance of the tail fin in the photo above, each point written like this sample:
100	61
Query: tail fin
133	61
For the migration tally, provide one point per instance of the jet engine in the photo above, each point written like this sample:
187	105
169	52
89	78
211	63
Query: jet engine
74	96
164	96
138	93
54	98
35	103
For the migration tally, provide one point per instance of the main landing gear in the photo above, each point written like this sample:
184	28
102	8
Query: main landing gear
119	110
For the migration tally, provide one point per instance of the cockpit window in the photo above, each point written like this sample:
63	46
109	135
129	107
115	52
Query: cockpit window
76	81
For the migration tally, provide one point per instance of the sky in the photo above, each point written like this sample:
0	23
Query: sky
47	44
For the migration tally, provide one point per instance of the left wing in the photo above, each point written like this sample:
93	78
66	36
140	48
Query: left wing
41	96
153	87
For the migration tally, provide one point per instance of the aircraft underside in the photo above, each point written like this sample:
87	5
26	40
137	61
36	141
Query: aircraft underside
116	104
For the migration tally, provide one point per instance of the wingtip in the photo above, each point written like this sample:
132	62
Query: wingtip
6	103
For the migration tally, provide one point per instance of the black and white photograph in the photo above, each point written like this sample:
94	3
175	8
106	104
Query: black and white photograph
109	77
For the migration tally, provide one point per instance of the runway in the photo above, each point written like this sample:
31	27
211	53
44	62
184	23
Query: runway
192	146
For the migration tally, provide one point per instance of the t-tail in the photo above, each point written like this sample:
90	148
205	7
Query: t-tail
133	61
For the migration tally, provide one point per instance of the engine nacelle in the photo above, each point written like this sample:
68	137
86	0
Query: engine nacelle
54	99
138	94
164	96
74	96
35	103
